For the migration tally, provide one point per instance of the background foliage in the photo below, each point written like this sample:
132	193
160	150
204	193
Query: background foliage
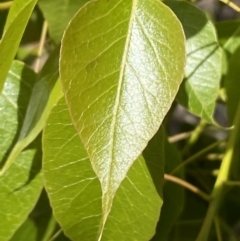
120	120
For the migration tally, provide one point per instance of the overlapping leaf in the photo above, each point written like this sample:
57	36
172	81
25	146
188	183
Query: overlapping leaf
46	92
58	14
75	191
121	66
17	20
21	184
199	91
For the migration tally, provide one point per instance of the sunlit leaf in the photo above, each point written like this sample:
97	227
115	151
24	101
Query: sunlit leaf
75	191
121	66
199	91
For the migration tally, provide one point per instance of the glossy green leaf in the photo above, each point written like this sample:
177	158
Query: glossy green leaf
173	195
58	14
75	192
199	91
21	184
16	23
121	66
46	92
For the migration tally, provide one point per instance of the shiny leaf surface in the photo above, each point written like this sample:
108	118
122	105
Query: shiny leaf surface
121	66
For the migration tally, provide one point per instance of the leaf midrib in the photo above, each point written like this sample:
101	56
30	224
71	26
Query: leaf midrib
120	85
116	109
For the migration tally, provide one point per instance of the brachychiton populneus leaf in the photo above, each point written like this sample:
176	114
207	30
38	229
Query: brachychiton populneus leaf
121	66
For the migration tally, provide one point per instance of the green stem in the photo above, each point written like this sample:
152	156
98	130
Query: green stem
196	156
5	5
222	178
194	136
218	229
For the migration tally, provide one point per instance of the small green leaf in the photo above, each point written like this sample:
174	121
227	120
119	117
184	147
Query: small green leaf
121	66
199	91
16	23
58	14
75	192
21	184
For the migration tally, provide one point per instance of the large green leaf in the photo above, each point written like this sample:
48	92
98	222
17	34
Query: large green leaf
21	184
17	20
199	91
46	92
58	14
75	192
121	66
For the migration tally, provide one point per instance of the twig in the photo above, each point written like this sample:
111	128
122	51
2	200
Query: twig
188	186
194	136
5	5
231	5
41	46
179	137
